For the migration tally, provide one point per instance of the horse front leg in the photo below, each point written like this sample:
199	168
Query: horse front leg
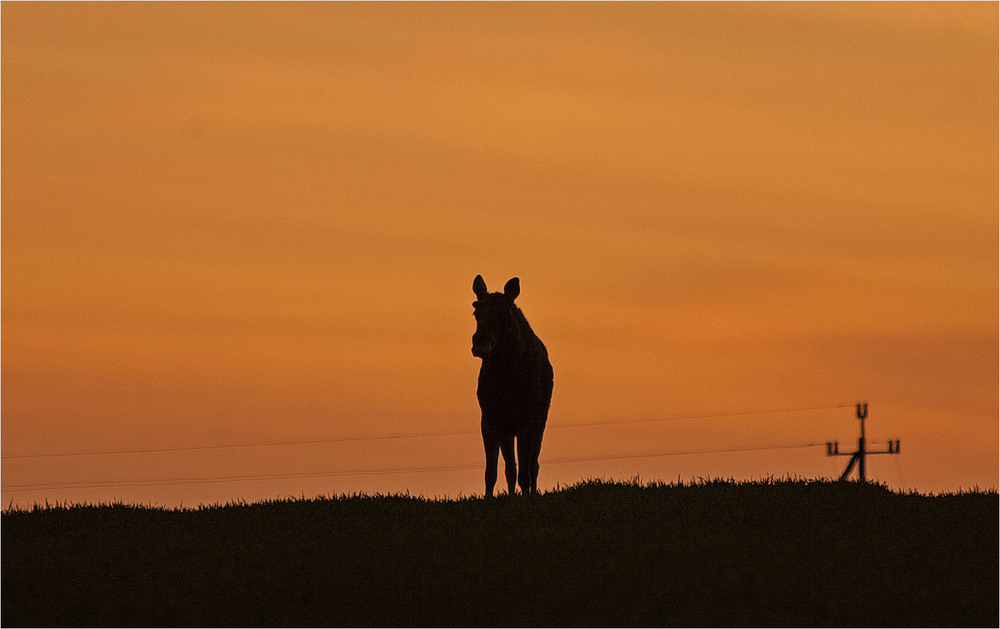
491	444
509	463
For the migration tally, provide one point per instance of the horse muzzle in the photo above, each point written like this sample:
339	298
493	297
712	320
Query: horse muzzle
482	348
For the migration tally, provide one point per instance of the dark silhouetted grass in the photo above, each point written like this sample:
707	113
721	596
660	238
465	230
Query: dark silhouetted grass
716	553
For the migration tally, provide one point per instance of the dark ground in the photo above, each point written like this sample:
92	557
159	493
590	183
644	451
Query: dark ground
789	553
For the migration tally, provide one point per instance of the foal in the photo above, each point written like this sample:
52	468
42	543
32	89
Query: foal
515	385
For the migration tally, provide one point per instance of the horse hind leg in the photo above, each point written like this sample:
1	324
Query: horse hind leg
509	463
534	474
534	461
527	454
529	464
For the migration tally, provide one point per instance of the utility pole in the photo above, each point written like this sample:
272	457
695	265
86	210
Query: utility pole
858	456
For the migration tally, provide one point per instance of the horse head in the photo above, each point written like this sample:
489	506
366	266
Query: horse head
496	320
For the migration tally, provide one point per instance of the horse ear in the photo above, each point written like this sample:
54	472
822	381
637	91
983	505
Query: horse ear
479	287
512	288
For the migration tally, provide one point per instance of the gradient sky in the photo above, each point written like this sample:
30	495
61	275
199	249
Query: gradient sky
252	223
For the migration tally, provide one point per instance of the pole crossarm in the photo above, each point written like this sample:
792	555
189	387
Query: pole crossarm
833	449
859	455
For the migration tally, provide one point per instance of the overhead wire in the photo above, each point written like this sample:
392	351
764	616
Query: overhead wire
410	435
707	416
93	484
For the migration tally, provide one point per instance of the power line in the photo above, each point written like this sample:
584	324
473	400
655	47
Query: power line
412	435
370	472
151	482
680	453
707	416
234	445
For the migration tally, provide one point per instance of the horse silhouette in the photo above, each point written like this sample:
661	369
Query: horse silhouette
515	385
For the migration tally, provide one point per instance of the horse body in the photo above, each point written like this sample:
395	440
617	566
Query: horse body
515	386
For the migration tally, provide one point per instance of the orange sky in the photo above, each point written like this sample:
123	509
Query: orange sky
251	223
